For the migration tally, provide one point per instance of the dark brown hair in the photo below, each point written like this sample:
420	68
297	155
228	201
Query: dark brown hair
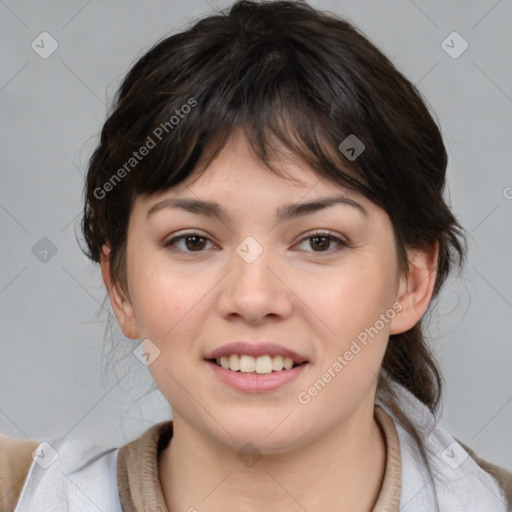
287	74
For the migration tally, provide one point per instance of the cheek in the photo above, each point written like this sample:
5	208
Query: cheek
170	312
161	296
351	354
351	299
166	306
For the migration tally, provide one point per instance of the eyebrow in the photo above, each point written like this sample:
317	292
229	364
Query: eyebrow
286	212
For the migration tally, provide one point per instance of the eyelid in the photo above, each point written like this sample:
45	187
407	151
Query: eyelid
184	234
342	243
340	239
320	232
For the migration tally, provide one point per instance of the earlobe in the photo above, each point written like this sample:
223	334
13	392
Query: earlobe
415	289
120	304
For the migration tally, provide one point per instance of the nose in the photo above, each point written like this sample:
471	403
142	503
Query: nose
255	288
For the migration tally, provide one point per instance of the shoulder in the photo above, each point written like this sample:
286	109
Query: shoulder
64	474
457	479
502	476
15	462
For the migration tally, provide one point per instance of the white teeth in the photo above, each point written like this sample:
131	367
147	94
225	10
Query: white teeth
234	362
287	363
249	364
277	363
264	364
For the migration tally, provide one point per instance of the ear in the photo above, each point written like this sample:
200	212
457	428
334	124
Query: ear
415	288
120	304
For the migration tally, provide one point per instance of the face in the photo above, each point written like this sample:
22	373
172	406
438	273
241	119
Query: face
323	283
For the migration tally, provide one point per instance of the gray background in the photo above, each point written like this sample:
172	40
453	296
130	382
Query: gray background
52	341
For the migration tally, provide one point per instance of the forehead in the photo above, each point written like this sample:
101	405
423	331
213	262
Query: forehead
237	166
237	162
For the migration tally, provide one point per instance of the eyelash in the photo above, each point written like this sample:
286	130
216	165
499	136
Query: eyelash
341	244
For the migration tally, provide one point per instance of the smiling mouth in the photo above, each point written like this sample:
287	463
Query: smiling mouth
259	365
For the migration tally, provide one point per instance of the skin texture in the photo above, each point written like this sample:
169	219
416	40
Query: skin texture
299	293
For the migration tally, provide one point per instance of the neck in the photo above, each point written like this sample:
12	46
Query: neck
342	470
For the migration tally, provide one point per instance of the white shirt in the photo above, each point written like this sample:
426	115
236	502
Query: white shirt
84	478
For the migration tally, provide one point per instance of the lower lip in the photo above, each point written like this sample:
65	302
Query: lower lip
257	382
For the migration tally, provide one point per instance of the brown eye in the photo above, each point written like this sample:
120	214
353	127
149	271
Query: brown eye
192	243
321	241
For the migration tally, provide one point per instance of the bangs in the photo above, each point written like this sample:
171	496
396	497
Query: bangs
282	107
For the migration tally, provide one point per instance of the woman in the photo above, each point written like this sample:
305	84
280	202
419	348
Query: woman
266	204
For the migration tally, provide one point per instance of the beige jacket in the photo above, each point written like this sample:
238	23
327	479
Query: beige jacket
138	479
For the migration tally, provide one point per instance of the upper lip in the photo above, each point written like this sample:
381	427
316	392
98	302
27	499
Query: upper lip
255	350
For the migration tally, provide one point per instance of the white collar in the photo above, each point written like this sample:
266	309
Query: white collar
80	477
456	481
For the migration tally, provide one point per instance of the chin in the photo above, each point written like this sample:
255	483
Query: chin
269	432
